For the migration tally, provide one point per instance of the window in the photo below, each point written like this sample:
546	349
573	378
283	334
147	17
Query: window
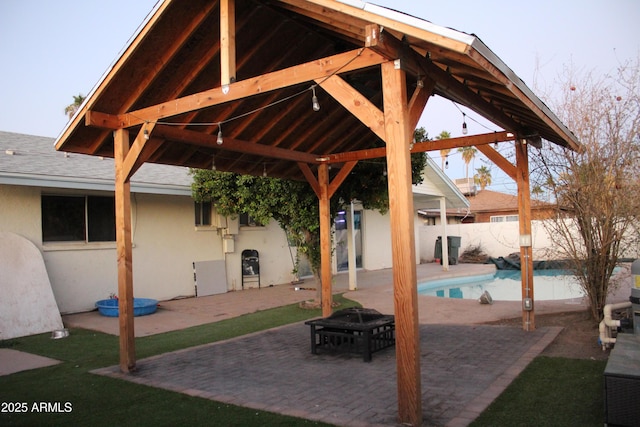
203	213
504	218
247	221
78	219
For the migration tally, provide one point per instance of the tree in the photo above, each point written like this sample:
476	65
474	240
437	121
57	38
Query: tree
293	204
537	191
444	153
482	177
597	190
468	154
70	110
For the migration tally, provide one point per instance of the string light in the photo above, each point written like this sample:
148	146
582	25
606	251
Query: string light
464	124
219	141
314	100
145	133
213	162
264	170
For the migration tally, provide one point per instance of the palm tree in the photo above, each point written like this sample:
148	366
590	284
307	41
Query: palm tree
70	110
468	154
482	177
444	154
537	191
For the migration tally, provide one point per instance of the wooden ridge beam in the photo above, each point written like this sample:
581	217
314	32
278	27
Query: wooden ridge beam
307	72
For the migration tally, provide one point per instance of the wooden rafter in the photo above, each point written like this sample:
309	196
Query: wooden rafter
320	10
325	67
540	110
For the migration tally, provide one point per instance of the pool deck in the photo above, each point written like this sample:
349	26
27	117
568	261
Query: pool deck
374	290
465	364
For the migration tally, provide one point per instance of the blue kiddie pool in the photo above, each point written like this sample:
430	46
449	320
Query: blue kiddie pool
141	306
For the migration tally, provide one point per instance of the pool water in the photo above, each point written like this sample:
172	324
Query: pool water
506	285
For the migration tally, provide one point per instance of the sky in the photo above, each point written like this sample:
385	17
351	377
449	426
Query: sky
53	50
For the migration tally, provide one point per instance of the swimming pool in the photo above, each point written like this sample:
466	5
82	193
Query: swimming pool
505	285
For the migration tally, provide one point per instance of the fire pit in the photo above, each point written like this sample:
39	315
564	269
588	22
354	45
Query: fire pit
353	330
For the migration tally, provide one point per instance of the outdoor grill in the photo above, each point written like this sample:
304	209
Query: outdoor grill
353	330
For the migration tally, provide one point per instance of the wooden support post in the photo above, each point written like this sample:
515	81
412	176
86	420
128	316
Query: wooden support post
325	239
524	218
444	243
398	136
227	42
124	252
351	248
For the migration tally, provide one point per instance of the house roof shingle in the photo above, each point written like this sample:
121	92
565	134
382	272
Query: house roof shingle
33	161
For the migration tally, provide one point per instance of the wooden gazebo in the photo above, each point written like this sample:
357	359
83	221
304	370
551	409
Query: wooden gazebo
304	89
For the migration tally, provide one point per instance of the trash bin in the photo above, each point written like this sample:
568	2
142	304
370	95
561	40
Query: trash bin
453	246
437	253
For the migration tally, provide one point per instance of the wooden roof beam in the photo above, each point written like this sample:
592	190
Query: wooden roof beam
497	158
309	71
387	45
424	146
202	139
355	103
541	110
227	41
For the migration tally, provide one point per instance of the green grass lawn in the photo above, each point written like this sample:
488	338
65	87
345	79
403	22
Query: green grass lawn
551	391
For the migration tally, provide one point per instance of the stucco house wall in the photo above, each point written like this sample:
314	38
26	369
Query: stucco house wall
166	241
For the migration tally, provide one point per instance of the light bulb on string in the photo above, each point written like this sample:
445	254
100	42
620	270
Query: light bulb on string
219	141
145	133
213	163
314	100
464	124
264	170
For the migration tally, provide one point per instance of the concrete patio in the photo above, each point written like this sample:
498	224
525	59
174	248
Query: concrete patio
465	365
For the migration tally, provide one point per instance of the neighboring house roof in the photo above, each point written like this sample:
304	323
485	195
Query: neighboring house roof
493	201
30	160
435	186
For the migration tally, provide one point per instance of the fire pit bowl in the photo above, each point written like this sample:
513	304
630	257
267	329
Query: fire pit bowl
141	306
353	330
